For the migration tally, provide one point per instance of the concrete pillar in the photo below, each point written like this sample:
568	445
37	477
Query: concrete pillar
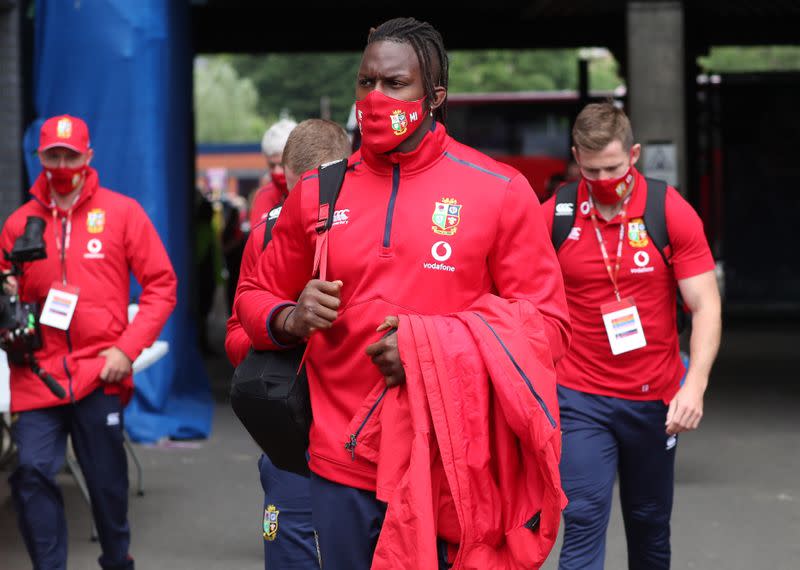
10	110
656	93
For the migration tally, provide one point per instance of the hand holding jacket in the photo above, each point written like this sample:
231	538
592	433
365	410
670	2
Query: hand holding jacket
385	354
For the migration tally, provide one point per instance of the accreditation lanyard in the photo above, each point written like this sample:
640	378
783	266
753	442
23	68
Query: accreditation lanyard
613	274
62	232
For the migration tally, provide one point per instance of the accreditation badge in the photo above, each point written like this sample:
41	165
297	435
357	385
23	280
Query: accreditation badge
623	326
59	306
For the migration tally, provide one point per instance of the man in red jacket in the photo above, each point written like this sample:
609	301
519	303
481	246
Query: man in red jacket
275	191
423	225
94	239
290	542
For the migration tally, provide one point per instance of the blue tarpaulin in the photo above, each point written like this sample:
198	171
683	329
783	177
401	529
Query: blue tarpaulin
125	67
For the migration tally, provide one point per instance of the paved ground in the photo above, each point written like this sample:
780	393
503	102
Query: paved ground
737	499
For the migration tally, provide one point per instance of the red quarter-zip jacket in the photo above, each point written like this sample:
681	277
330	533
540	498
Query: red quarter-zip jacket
110	238
468	449
425	232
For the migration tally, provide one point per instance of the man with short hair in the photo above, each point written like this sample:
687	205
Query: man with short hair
622	402
275	191
94	239
431	227
291	542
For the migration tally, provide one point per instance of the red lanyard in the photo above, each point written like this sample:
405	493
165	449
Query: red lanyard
67	232
613	275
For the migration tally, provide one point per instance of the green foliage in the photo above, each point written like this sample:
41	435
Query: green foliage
225	104
233	91
762	58
502	70
297	82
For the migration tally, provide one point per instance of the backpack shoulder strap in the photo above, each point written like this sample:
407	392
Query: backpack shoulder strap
331	176
269	223
655	217
564	213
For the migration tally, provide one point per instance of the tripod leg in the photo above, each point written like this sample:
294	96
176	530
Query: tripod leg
76	473
132	453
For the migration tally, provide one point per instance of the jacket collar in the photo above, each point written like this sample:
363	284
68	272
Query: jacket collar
41	193
430	149
635	206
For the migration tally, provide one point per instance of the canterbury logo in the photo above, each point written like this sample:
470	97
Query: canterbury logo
341	217
565	209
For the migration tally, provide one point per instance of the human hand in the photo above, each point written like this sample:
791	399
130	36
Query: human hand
385	354
685	410
117	366
10	285
317	308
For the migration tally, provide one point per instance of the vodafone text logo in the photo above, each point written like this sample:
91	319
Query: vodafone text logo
440	251
642	261
94	247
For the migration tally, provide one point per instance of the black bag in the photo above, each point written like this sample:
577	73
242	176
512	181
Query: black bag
269	390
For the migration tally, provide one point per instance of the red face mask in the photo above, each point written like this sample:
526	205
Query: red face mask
611	190
385	122
64	180
279	180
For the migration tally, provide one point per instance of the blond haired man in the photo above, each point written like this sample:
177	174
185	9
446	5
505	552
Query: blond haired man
623	402
289	542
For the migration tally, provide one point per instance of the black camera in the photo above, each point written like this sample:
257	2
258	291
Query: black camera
20	335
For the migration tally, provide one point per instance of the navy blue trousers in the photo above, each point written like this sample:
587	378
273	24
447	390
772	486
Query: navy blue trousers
348	522
290	544
95	426
603	437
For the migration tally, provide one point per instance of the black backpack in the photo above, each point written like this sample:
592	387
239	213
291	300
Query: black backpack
655	221
269	390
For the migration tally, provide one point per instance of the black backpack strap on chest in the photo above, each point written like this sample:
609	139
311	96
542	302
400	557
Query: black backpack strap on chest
655	215
564	213
331	176
269	222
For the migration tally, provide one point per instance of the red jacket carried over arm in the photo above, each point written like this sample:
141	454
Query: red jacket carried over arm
468	449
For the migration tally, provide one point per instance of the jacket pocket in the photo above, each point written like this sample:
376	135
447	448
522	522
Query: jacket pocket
365	428
93	325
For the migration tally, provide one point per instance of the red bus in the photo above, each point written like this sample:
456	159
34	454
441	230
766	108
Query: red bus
530	130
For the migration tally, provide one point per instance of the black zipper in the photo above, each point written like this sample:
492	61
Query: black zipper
69	377
351	445
387	230
521	373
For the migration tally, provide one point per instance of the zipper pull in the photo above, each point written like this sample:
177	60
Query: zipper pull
351	446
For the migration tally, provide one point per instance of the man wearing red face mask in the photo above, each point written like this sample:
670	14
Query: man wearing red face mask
94	239
276	190
424	226
622	404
